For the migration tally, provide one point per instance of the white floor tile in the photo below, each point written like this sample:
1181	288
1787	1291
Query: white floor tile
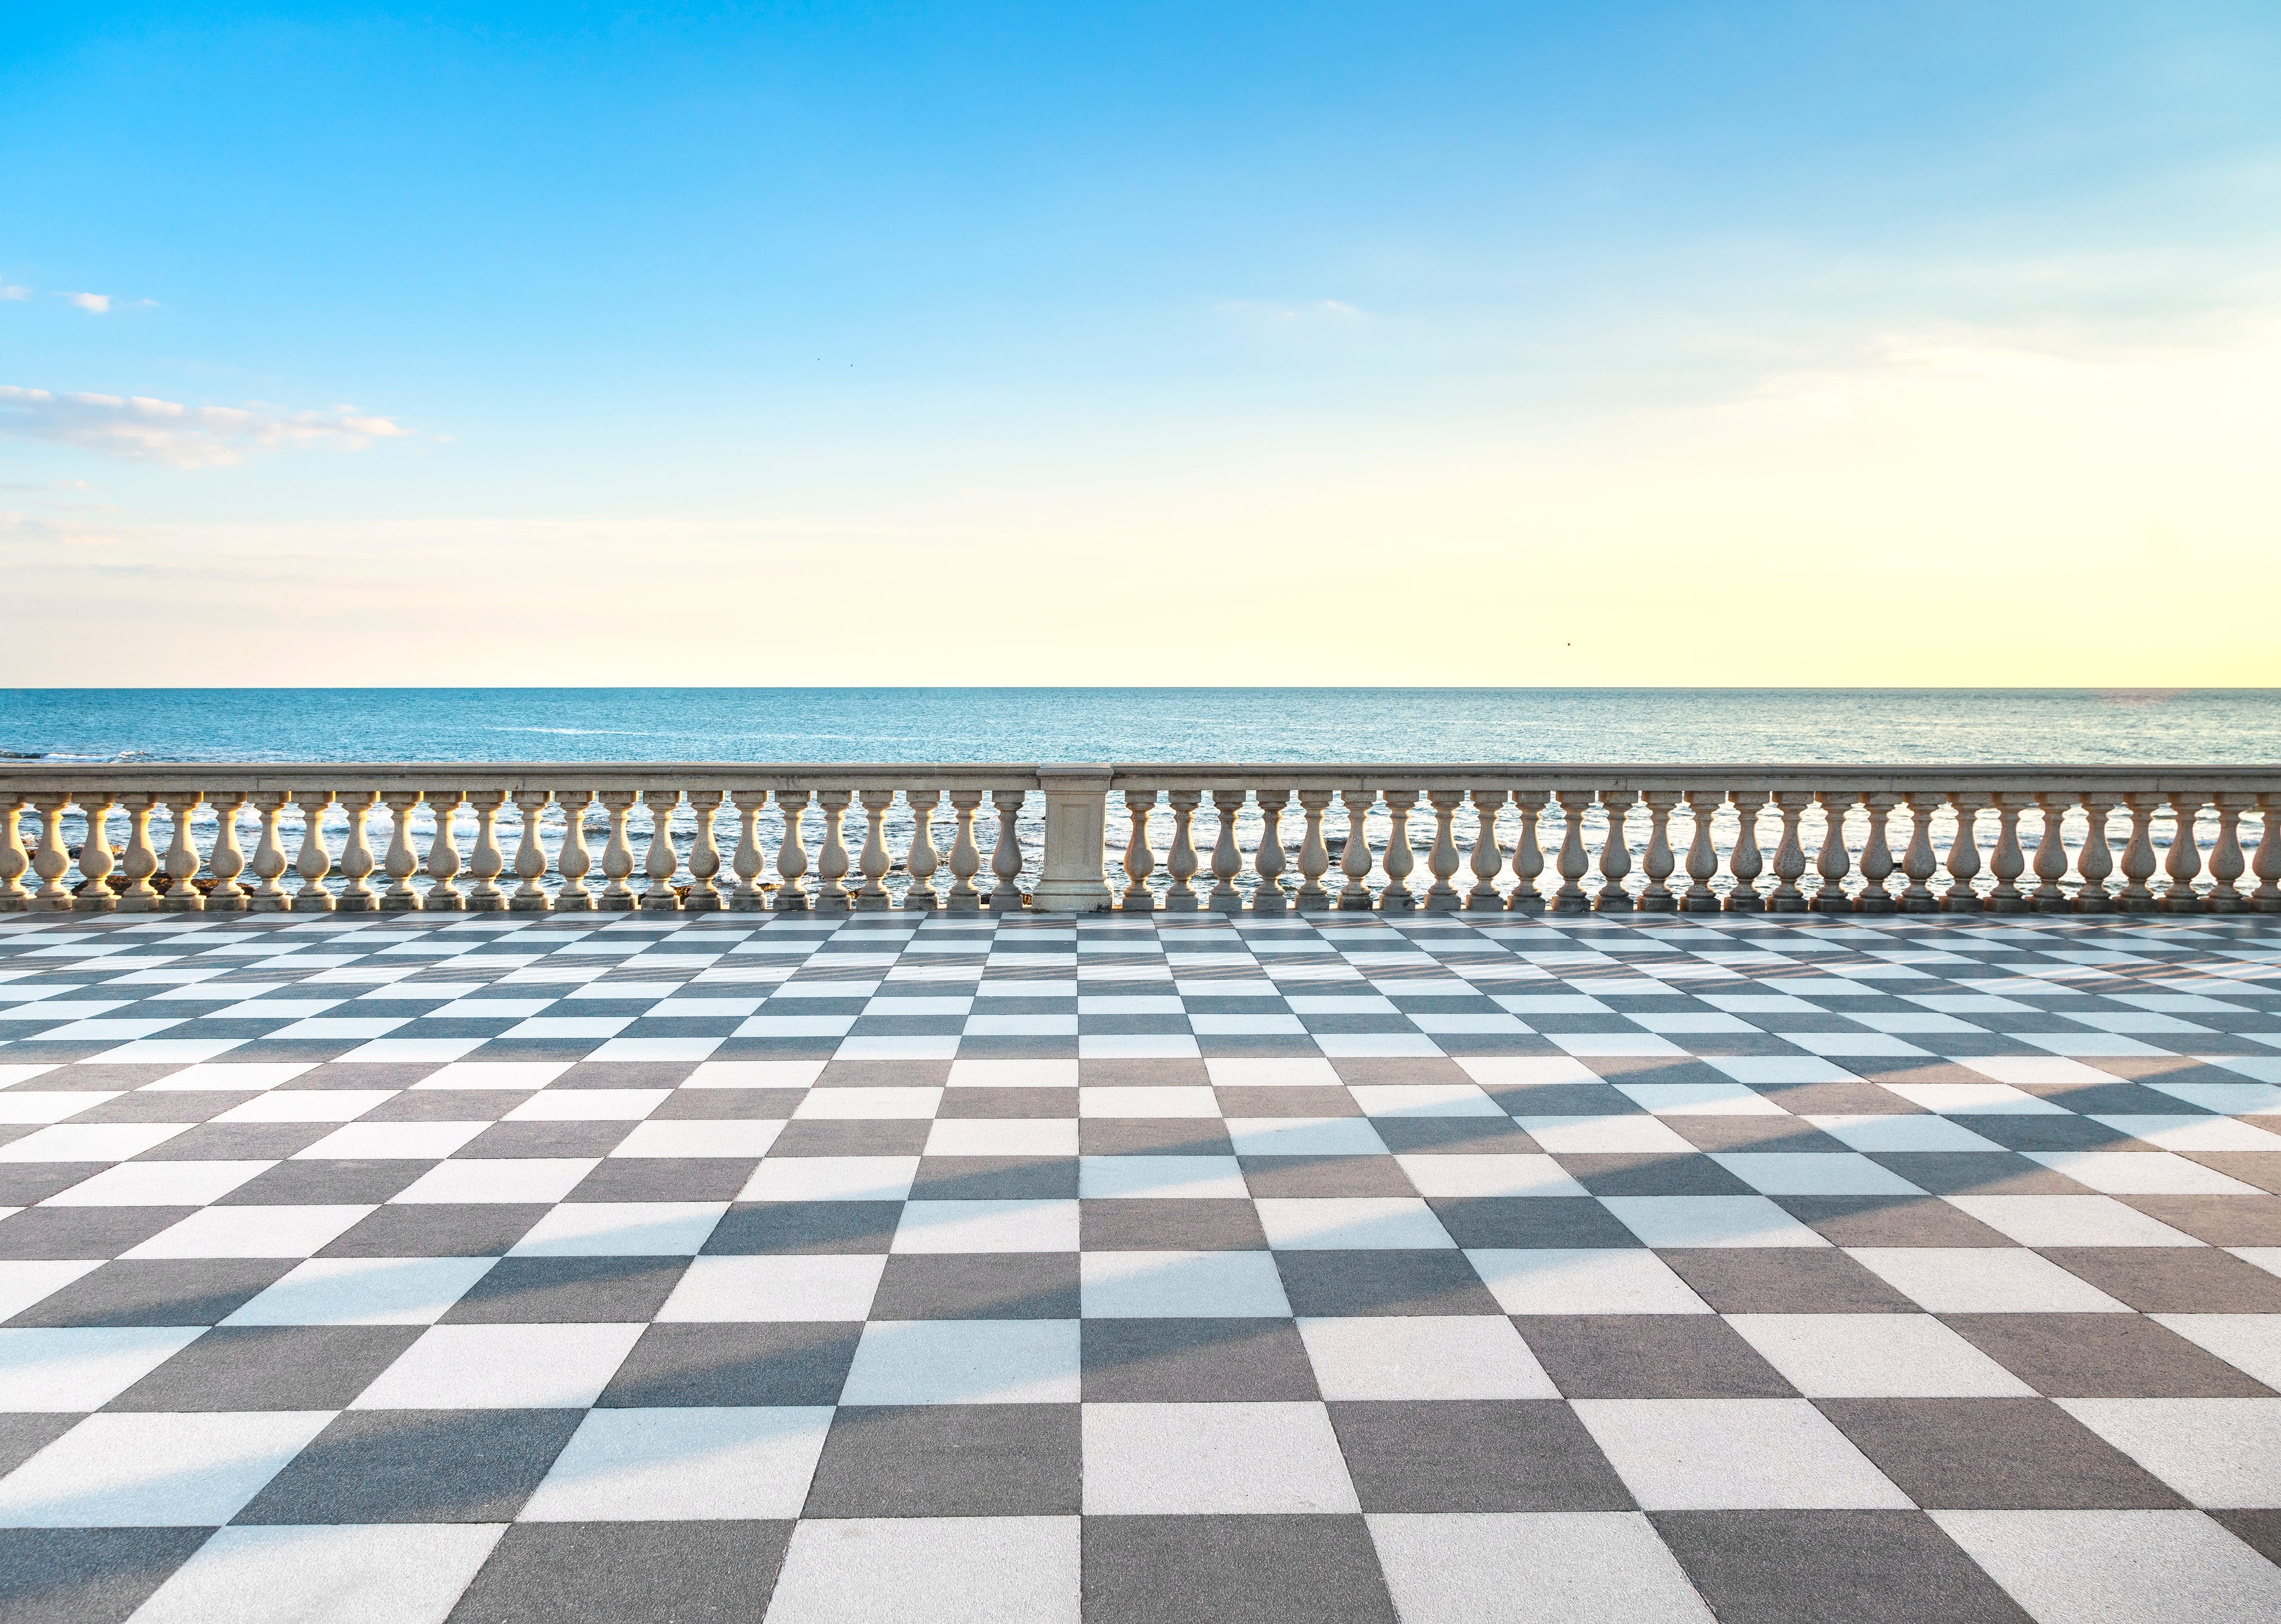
964	1362
363	1291
76	1368
795	1287
1709	1220
2214	1452
683	1464
1351	1222
1875	1356
155	1471
1423	1356
252	1232
1224	1459
400	1573
1545	1568
1565	1280
963	1570
1983	1280
622	1229
1182	1285
502	1367
1713	1454
987	1226
2120	1567
518	1179
832	1178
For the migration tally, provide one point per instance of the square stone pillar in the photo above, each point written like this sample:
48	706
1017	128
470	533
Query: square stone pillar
1076	811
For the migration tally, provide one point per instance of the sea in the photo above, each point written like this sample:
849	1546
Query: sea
2209	726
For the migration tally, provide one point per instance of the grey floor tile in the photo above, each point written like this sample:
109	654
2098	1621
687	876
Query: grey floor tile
1443	1455
628	1573
1837	1566
949	1460
1207	1570
416	1465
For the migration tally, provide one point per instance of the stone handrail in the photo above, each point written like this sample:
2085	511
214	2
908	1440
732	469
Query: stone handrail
1909	838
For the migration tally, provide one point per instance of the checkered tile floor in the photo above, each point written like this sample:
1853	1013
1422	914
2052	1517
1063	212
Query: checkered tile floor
1287	1269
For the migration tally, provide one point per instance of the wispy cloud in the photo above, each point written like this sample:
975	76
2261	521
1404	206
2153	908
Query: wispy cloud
1280	313
8	290
94	304
143	430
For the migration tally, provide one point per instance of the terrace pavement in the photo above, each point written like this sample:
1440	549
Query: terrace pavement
1431	1266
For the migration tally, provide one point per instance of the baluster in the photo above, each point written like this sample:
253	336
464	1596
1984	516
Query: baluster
96	895
617	854
1657	864
921	860
2137	856
268	856
872	894
1488	856
52	861
356	895
2225	863
1963	857
832	896
15	861
2051	855
485	862
1789	856
1528	858
1442	858
574	863
183	895
226	862
1180	862
1745	862
1140	862
1226	861
965	859
749	897
1876	857
313	862
1268	861
2182	862
2267	863
1831	861
2095	861
140	861
2006	862
792	854
1918	861
1572	863
529	854
1397	897
1702	853
704	855
1314	856
443	896
1615	852
662	862
1354	856
1005	855
402	862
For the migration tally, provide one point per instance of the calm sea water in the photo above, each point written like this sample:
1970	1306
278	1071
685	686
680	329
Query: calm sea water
1132	724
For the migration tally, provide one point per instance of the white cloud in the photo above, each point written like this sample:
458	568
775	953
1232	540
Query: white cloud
1276	313
143	430
9	292
94	304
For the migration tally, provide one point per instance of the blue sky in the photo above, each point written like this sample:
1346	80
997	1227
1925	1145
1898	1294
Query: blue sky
1173	304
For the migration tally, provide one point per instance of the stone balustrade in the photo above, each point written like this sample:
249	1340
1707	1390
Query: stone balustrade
519	837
